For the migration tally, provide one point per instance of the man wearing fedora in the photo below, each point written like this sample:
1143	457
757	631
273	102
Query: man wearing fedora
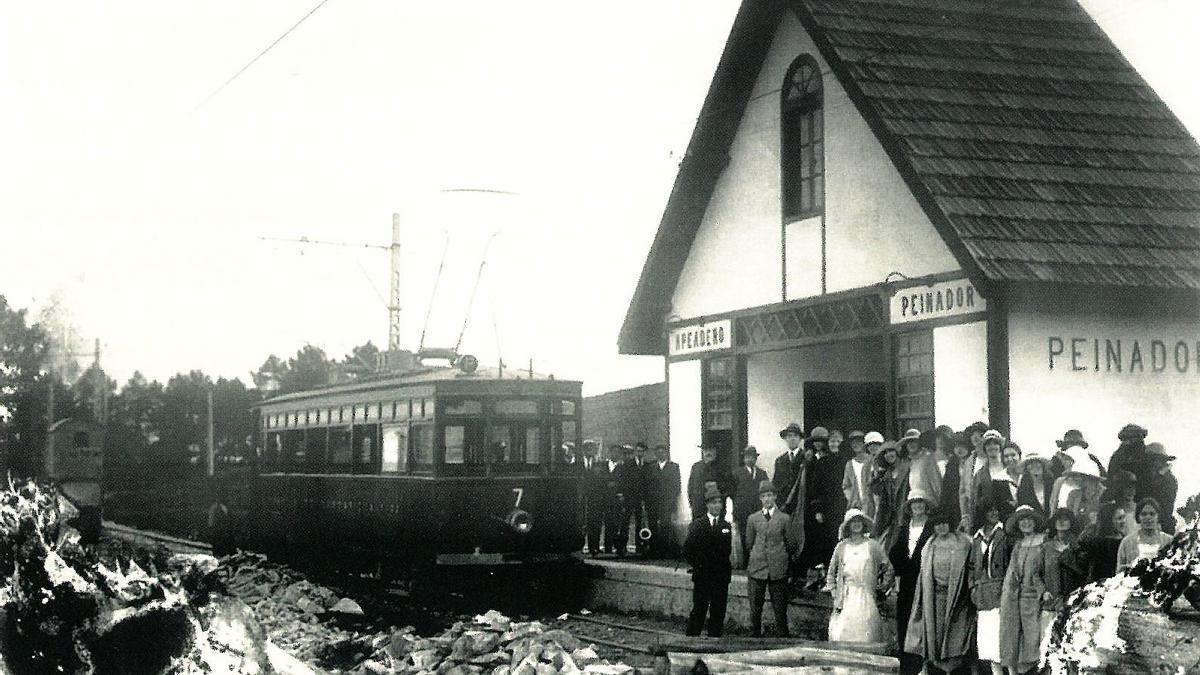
790	464
771	548
707	548
745	499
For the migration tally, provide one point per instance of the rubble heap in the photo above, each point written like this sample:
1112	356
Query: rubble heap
303	618
491	644
298	615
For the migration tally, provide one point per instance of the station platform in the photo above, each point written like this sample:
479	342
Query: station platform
664	587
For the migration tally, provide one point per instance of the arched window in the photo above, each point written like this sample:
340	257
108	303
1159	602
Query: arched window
802	155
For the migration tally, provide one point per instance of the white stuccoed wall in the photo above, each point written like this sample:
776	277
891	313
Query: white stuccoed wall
683	416
873	223
960	385
1046	402
775	386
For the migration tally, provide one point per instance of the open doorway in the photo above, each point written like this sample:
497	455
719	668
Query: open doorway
845	405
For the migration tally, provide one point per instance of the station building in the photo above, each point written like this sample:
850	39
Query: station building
902	213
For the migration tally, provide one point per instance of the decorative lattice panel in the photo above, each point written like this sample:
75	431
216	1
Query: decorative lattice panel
811	322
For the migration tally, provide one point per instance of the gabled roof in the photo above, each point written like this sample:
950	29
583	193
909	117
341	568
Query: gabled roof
1034	147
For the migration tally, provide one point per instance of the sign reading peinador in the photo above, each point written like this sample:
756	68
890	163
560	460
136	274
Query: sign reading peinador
698	338
935	301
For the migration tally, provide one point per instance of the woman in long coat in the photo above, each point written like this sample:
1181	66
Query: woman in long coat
905	555
1024	592
941	629
889	486
989	564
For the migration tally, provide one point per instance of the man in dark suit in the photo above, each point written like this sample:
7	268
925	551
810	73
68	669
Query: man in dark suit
610	473
703	472
745	498
789	465
592	487
707	547
771	549
635	480
665	484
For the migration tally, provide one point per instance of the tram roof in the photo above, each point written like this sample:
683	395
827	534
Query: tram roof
423	376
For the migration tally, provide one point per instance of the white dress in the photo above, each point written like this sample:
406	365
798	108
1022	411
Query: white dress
859	619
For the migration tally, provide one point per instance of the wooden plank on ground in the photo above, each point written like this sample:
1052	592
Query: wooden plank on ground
722	645
789	657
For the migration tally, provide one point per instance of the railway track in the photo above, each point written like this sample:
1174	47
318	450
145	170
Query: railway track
145	538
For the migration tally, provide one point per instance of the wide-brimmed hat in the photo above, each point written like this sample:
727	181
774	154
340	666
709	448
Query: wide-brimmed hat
1033	455
873	437
1011	526
818	434
855	514
1158	451
765	486
993	435
1132	432
1064	513
911	435
981	427
1082	463
1071	438
792	428
712	491
750	450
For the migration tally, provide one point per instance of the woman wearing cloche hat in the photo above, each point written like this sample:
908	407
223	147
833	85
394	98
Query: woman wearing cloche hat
1024	591
858	570
905	554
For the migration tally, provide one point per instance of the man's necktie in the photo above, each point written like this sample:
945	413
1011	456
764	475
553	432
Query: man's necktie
767	514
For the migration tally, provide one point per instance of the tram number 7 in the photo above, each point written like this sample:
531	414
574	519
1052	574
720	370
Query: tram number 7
520	492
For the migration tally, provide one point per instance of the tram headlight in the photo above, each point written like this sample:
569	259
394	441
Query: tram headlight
520	521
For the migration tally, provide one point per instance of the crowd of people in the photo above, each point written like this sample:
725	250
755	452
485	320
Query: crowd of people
980	540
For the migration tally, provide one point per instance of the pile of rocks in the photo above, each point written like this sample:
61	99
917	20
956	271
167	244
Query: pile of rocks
298	615
490	644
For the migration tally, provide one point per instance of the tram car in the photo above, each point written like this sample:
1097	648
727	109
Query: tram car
444	465
74	461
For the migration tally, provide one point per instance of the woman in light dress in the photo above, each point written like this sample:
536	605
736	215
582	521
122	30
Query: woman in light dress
859	572
1146	541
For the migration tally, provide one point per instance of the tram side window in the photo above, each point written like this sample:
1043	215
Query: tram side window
293	448
464	443
422	445
365	444
560	434
516	443
274	449
395	449
316	443
341	453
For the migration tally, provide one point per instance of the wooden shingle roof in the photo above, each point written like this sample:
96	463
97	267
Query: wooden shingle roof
1035	148
1026	133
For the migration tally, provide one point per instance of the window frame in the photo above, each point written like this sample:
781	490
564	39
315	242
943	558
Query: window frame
796	174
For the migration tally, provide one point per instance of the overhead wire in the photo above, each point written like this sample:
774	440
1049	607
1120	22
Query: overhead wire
261	54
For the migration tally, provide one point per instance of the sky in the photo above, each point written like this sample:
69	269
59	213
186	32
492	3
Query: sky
148	205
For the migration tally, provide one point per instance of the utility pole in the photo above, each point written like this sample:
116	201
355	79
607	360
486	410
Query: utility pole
394	296
211	448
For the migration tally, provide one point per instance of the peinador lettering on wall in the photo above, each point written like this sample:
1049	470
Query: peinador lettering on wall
935	301
1122	355
700	337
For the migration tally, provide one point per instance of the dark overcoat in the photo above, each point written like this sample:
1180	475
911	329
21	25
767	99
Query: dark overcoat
952	635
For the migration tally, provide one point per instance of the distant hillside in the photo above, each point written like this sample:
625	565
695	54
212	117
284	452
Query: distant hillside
627	415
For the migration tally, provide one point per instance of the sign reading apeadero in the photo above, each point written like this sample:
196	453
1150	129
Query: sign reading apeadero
1123	355
936	301
704	337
